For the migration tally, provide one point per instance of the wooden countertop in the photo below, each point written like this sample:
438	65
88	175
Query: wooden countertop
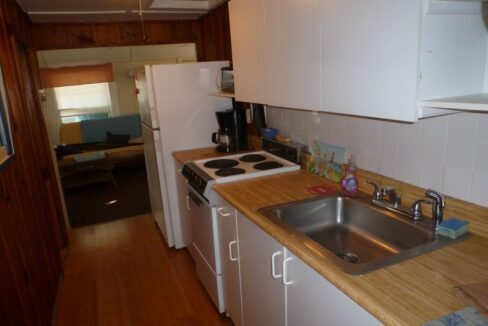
409	293
197	154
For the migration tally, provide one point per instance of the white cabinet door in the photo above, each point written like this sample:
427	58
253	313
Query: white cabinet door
227	219
293	53
370	57
263	296
248	50
312	300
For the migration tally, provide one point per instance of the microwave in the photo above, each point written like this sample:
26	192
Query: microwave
226	79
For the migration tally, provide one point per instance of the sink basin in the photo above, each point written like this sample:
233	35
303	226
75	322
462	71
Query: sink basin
360	237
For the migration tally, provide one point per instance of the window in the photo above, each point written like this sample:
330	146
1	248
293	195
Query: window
82	102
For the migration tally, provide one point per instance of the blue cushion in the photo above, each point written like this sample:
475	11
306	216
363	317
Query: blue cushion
96	130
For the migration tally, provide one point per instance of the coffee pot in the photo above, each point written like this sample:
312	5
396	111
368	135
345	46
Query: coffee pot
231	136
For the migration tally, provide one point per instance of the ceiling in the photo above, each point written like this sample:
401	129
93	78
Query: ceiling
42	11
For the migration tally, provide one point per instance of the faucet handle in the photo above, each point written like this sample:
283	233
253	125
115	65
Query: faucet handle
393	196
378	192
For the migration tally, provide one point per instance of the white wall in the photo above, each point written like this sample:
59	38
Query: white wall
448	153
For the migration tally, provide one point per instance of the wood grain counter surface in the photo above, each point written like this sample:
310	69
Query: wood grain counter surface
409	293
198	154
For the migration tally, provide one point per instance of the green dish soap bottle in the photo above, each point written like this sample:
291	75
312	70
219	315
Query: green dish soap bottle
350	180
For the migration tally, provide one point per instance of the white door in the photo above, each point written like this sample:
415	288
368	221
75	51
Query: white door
145	97
248	50
293	53
369	57
226	215
261	257
313	301
152	156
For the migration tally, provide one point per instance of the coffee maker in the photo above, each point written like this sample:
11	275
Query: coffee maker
232	135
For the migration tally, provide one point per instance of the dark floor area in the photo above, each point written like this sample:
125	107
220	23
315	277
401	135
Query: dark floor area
103	202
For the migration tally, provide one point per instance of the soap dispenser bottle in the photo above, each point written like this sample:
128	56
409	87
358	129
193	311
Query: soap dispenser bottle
350	180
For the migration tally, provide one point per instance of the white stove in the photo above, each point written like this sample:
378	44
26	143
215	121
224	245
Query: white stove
203	174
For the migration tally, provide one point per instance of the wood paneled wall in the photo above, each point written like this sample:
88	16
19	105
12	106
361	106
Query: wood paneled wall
211	33
87	35
31	220
214	41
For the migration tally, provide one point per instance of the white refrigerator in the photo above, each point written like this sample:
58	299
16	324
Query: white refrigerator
177	113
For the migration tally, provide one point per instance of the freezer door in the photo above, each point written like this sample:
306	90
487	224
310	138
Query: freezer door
145	97
157	189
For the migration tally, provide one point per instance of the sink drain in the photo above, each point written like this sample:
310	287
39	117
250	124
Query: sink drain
348	257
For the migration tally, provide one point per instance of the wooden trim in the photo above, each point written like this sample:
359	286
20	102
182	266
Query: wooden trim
89	35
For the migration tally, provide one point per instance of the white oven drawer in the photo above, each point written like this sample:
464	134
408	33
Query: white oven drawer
213	283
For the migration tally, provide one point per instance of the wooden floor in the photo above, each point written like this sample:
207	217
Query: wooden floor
121	273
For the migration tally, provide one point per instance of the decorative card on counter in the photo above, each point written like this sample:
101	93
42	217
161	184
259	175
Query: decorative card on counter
327	161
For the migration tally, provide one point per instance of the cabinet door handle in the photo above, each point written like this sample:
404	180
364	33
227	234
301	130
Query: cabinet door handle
221	211
230	250
188	203
285	272
273	265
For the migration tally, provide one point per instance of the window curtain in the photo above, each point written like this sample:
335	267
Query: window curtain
78	75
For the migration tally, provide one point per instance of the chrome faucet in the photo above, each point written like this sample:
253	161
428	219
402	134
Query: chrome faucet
438	203
393	202
416	209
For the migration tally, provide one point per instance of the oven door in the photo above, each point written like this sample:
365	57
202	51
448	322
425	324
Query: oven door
205	231
206	248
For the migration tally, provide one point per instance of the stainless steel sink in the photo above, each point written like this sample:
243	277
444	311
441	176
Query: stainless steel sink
359	236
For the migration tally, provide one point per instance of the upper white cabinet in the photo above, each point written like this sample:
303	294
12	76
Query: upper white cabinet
369	57
293	53
389	59
453	56
248	50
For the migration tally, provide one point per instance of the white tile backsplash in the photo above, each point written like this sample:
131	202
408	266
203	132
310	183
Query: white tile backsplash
389	140
448	153
457	183
460	154
483	127
463	126
435	127
478	188
481	158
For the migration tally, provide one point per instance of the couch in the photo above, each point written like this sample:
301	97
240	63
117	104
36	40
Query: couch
119	139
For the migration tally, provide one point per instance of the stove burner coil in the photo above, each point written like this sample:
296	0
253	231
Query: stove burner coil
252	158
220	164
225	172
268	165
